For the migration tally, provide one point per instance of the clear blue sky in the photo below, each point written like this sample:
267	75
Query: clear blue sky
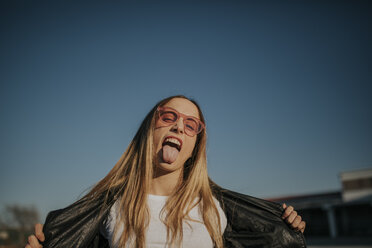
285	87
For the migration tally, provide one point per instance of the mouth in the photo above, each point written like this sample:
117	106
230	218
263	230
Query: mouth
173	142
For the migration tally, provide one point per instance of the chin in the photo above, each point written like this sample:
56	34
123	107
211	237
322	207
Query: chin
169	167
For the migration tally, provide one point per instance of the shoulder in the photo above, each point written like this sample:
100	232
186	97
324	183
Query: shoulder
231	200
245	212
250	218
81	220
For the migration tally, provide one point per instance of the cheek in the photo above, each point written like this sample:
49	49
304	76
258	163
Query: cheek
157	138
190	147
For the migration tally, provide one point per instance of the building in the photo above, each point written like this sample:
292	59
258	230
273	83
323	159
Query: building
338	214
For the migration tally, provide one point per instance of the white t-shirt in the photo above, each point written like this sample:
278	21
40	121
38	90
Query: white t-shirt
195	234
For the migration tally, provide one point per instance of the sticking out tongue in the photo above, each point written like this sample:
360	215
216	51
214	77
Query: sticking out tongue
169	154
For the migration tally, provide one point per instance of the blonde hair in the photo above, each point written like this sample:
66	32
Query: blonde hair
131	177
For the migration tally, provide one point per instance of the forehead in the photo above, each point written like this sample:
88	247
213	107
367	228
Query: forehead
183	106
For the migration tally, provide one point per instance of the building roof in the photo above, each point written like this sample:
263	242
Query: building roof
311	200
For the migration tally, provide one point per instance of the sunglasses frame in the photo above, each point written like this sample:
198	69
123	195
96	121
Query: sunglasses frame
179	115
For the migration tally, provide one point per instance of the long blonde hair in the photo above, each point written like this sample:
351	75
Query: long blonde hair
131	177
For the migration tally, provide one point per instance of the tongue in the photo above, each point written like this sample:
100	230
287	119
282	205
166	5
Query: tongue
169	154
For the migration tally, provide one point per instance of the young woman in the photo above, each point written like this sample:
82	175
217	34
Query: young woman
159	195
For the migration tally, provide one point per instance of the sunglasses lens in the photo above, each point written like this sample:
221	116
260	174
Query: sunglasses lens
191	127
168	117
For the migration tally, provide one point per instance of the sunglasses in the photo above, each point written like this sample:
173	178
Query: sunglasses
168	116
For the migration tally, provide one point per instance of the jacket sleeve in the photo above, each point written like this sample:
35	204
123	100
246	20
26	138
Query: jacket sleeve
254	222
75	226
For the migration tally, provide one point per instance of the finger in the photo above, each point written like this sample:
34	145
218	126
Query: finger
291	217
287	212
284	206
32	240
39	232
28	246
302	226
296	222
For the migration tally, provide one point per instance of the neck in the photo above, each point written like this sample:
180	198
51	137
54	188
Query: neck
164	182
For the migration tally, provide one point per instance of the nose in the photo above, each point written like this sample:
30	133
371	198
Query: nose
178	126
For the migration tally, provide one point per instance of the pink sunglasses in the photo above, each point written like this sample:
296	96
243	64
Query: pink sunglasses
169	116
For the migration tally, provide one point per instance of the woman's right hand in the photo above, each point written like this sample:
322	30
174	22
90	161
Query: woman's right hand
33	241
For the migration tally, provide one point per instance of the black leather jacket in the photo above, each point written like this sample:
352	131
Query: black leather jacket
251	222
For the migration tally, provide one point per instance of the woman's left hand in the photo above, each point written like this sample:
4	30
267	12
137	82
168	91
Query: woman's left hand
294	220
